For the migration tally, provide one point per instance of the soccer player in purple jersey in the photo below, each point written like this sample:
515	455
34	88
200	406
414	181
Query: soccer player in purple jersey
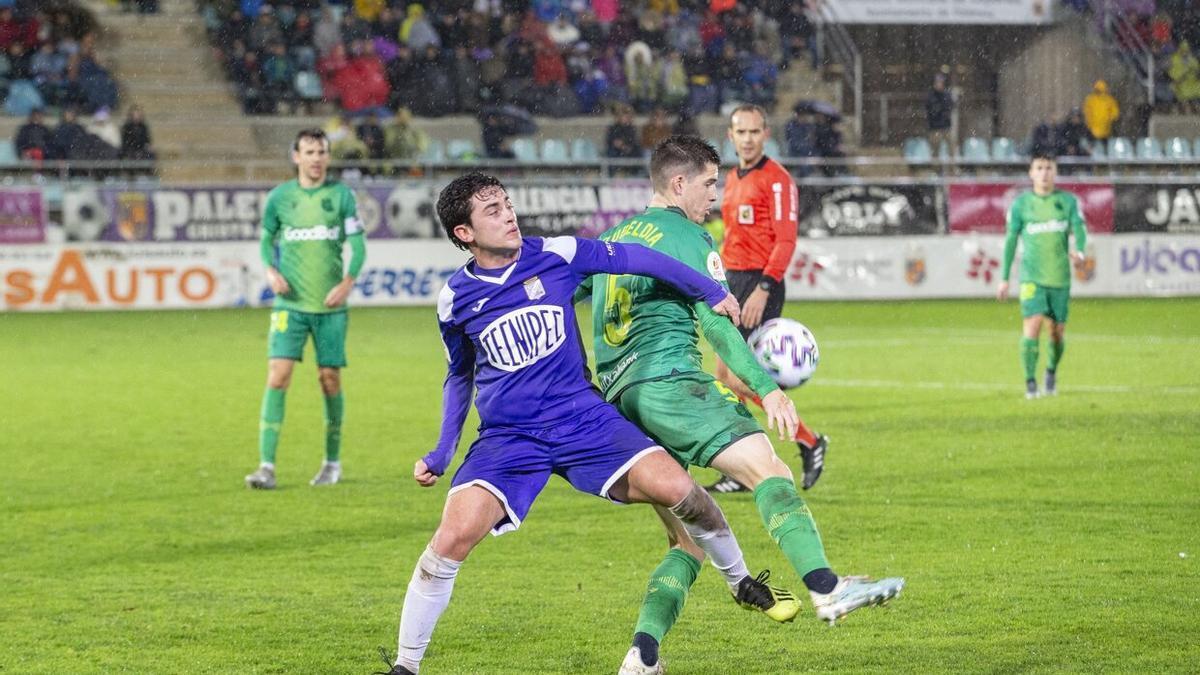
508	326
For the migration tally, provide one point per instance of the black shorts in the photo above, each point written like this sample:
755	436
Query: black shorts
743	282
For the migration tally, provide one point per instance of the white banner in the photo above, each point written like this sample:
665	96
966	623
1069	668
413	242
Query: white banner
964	266
942	11
193	275
411	272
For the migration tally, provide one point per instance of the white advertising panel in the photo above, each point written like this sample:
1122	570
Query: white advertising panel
942	11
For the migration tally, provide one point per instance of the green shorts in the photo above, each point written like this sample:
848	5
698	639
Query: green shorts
1037	299
693	416
290	329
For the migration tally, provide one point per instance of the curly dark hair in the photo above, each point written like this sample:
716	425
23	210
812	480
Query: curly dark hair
454	202
680	153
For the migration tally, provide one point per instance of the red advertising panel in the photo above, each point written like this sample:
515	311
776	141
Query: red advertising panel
983	207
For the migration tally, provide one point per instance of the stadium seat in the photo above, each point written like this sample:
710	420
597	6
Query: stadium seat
8	153
771	148
554	151
1099	150
917	150
308	86
1120	148
525	150
435	153
459	149
23	98
975	150
1003	149
1149	148
1178	148
584	150
1196	147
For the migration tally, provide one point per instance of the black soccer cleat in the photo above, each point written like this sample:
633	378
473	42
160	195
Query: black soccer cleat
726	485
396	669
814	460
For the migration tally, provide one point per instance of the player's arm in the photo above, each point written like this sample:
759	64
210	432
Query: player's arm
266	249
588	256
782	211
353	228
1013	231
583	291
456	403
1079	228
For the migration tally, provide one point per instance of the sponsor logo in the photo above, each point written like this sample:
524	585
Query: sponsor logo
805	268
914	266
982	267
318	233
133	215
1177	209
745	214
523	337
607	379
534	288
1160	259
1048	226
479	305
716	269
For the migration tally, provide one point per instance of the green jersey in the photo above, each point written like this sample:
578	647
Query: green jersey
310	227
644	329
1043	224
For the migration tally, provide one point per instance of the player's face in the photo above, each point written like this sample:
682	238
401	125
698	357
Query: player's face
312	159
748	132
1043	172
493	223
699	193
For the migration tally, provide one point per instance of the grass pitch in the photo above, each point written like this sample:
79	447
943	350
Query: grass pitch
1047	536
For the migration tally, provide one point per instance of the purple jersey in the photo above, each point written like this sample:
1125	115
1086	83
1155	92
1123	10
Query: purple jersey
511	333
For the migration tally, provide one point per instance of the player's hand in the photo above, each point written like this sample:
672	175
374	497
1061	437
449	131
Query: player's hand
278	284
338	294
729	307
422	474
752	311
1078	258
781	414
1002	291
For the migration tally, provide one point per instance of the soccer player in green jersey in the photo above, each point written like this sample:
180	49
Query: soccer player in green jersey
310	220
648	364
1043	220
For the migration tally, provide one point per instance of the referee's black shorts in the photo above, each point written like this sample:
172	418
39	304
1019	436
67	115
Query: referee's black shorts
743	282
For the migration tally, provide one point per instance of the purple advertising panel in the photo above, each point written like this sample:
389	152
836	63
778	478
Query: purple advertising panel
22	216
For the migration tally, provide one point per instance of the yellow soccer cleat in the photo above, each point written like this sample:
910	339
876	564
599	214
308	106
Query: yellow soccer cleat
777	603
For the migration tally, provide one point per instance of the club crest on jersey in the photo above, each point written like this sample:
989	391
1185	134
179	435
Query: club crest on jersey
523	337
534	288
745	214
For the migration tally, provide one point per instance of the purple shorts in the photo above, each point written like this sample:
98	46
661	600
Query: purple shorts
591	451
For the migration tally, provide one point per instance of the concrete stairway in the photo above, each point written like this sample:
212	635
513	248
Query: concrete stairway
164	64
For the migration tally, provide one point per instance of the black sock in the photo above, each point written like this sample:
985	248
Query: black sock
821	581
648	646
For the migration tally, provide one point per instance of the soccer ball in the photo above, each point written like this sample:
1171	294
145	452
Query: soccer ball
787	350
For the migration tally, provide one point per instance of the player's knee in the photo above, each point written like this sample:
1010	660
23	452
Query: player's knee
331	381
454	541
698	508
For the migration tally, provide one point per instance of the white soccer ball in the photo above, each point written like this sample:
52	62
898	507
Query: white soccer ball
787	350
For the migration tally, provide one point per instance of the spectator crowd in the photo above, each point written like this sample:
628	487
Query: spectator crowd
555	57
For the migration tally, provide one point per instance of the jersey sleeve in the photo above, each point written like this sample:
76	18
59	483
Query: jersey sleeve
457	387
1013	231
270	230
728	343
782	212
1078	225
588	256
351	224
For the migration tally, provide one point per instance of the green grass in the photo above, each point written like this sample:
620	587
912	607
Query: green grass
1041	536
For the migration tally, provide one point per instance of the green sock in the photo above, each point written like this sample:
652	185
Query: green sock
334	407
790	524
269	423
1029	356
1056	350
666	593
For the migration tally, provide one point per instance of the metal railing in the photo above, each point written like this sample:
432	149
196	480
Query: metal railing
1128	45
837	45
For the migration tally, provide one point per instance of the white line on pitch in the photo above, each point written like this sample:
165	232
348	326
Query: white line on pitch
984	386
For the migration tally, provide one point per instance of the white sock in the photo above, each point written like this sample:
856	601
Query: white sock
428	594
720	546
267	465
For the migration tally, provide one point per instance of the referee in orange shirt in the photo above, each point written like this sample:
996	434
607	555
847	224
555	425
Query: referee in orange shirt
759	210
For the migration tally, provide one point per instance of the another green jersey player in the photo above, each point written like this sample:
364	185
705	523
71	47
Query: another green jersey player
648	364
1043	219
309	219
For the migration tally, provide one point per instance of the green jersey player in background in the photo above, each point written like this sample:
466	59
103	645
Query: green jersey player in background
309	219
649	366
1043	220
